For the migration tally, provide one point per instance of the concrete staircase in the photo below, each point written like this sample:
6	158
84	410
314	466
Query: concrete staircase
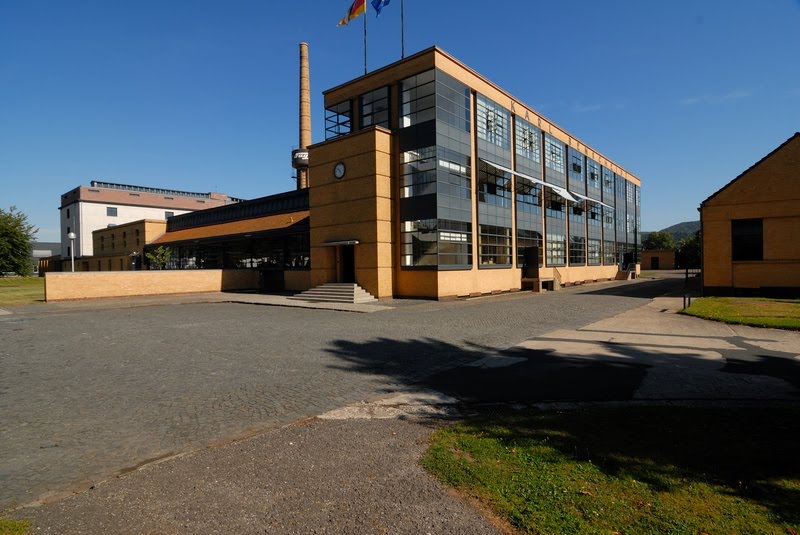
336	292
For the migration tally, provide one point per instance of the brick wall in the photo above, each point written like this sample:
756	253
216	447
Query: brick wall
88	285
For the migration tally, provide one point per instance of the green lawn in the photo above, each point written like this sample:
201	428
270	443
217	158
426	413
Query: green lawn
629	470
21	290
756	311
13	527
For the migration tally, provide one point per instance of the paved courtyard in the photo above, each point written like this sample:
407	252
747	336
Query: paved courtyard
87	393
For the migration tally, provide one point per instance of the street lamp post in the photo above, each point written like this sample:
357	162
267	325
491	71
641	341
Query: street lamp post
71	237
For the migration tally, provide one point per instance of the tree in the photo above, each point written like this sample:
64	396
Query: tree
688	253
159	256
16	235
659	240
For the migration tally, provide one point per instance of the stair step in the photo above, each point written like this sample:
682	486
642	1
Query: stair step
336	292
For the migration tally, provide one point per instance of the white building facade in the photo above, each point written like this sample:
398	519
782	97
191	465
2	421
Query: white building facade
106	204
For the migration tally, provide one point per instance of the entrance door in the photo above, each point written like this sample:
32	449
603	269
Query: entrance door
347	257
654	261
530	269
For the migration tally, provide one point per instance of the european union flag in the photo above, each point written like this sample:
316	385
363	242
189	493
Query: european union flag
379	4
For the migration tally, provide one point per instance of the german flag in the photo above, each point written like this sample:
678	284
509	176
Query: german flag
358	7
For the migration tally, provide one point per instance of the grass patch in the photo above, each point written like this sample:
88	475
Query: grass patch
21	290
13	527
755	311
629	471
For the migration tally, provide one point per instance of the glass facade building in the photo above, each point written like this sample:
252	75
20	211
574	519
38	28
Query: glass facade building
483	185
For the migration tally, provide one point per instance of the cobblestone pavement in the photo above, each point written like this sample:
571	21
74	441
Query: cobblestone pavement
88	393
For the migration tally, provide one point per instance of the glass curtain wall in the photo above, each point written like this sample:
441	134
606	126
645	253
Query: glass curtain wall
555	205
493	126
576	183
374	108
277	253
621	217
594	214
528	161
630	218
609	225
436	191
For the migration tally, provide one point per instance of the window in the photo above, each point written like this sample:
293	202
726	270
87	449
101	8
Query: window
337	120
67	216
167	215
609	255
417	99
556	246
747	239
111	211
493	122
577	249
420	243
494	244
494	186
528	141
375	108
553	153
418	172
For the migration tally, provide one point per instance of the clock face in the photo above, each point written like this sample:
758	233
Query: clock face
339	170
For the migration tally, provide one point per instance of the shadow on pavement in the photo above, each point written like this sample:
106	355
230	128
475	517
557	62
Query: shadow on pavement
717	445
641	288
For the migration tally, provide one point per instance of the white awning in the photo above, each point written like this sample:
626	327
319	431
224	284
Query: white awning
562	192
585	198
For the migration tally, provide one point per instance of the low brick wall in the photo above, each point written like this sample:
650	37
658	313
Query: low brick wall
94	284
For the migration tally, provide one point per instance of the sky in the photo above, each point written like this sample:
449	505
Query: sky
202	95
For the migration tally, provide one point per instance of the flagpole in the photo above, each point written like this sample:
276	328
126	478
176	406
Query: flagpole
402	30
365	40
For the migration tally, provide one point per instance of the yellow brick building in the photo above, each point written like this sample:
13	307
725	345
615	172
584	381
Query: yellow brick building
751	228
432	182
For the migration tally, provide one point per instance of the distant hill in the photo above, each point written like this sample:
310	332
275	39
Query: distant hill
679	231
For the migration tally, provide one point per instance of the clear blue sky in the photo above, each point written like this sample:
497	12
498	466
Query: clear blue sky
201	95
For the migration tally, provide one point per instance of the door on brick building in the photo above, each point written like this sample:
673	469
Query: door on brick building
654	262
347	263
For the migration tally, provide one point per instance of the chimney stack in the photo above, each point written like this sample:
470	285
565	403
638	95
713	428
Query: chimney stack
300	155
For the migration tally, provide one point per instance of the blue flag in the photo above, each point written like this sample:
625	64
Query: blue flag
379	4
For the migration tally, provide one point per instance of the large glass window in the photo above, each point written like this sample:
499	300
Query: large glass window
553	153
494	186
608	185
747	239
609	252
452	106
430	242
594	234
436	189
375	108
418	172
493	122
555	205
455	243
528	141
418	99
593	182
529	218
577	235
494	244
337	120
556	248
420	243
